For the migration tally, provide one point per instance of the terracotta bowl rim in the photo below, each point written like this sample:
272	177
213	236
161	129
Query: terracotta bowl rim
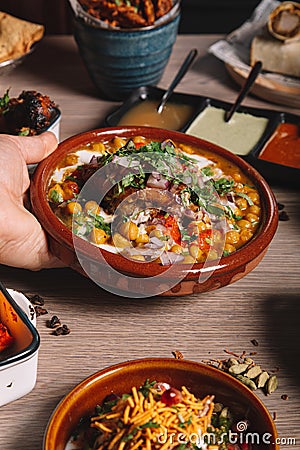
59	232
169	363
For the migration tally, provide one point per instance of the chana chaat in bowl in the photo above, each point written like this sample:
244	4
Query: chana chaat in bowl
163	201
156	415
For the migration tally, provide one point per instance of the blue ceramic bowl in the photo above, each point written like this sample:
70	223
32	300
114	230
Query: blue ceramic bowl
120	60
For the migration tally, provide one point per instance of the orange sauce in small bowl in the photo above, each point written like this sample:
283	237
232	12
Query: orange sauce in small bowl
173	117
284	146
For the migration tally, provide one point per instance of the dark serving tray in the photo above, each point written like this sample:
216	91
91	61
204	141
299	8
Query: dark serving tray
273	172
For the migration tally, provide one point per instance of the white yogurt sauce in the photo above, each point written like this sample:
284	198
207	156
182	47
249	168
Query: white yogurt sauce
239	135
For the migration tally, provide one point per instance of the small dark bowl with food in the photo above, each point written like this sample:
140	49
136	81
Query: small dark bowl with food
146	211
161	403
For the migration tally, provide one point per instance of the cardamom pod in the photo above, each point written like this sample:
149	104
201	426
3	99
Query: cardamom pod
262	379
232	362
248	361
247	382
253	372
238	368
271	384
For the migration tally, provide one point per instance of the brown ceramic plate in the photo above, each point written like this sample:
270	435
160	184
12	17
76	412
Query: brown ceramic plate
200	379
227	270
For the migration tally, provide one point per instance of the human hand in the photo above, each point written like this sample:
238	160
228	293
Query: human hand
23	242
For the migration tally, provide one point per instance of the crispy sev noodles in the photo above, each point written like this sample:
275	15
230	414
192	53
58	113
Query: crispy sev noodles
142	420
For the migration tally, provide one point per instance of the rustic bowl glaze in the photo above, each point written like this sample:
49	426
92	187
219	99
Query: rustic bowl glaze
229	269
199	378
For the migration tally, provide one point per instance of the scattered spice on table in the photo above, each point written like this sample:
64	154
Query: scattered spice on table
280	206
37	300
177	354
283	216
64	329
285	397
246	370
40	311
254	342
54	322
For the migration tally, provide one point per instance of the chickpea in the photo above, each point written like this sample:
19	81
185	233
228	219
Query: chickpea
56	194
195	251
251	217
242	203
237	177
150	228
254	197
213	254
188	259
139	140
217	236
238	212
138	258
156	233
244	223
245	235
73	208
239	187
254	209
196	227
129	230
98	236
71	160
186	148
120	242
142	238
118	142
229	248
92	207
99	147
232	237
176	248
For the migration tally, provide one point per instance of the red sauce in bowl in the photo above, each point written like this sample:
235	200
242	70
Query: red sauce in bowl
284	146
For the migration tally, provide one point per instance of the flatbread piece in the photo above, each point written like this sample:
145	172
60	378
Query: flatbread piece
17	36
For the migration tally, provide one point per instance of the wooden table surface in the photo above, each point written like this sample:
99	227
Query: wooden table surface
106	329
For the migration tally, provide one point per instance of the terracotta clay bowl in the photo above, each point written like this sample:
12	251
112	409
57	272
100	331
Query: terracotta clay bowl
183	280
199	378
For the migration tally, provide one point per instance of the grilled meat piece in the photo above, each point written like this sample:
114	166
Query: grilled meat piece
29	114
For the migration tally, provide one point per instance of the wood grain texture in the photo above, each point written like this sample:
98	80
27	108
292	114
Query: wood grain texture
106	329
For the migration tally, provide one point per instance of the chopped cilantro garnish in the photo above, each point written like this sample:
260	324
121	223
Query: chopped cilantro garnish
100	223
207	171
145	388
223	185
241	194
55	196
4	102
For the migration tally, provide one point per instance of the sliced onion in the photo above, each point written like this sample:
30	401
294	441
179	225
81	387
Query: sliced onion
157	181
170	258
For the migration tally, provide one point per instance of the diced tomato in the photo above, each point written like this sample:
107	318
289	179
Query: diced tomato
139	144
6	339
172	225
204	239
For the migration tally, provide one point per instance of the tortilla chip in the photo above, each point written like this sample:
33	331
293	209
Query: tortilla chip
17	36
